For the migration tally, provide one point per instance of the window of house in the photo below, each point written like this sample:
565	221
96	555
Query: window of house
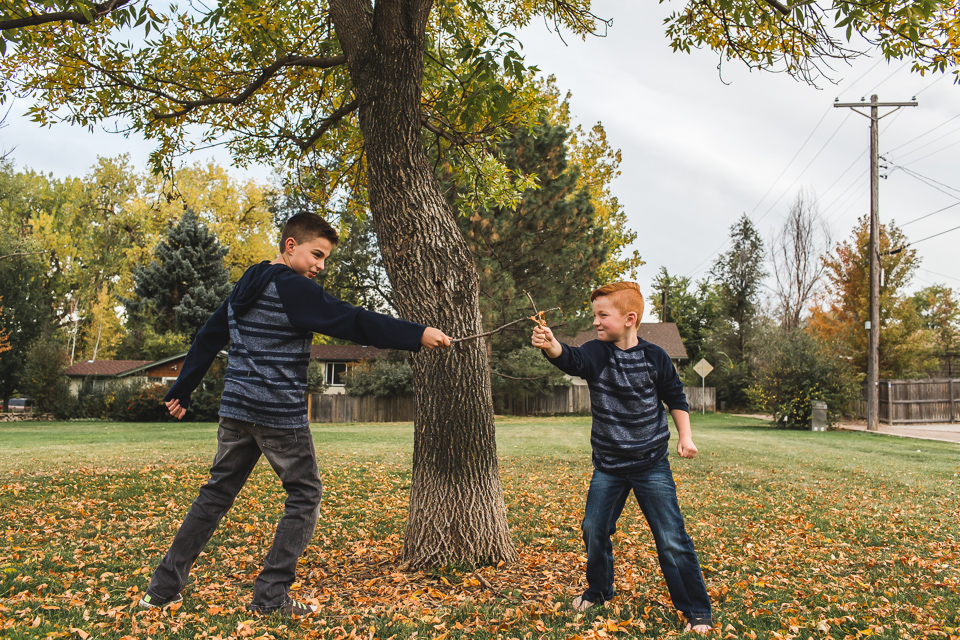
335	371
92	386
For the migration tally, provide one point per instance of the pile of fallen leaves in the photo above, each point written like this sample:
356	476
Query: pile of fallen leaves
799	553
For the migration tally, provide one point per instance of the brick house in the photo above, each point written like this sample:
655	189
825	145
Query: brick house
97	376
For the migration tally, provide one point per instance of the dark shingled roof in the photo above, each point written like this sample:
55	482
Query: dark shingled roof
662	334
346	352
104	367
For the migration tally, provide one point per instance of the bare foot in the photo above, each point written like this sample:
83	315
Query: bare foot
702	629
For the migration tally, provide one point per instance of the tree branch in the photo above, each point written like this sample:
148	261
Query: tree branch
97	11
30	253
786	9
499	329
335	117
450	135
253	87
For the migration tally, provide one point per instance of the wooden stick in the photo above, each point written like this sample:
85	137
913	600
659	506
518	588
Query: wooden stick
498	329
532	303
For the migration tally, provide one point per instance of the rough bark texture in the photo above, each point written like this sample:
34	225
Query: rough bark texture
457	511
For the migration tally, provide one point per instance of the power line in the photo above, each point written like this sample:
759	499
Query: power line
924	133
933	153
897	70
809	164
847	194
817	126
936	235
930	182
850	166
942	275
927	144
942	76
949	206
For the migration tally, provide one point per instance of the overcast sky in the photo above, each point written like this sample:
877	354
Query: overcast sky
700	150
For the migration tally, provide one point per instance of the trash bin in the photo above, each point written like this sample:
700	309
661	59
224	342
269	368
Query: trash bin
818	415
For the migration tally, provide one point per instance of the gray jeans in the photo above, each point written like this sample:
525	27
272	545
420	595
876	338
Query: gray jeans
239	445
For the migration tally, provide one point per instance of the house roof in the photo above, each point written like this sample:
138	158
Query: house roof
663	334
104	367
345	352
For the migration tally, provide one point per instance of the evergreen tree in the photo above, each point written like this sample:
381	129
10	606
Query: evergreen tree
549	245
739	275
184	283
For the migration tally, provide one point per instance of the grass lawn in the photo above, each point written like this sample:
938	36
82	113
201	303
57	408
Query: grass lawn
800	535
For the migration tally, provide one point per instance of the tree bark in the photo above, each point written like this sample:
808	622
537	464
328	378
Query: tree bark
457	511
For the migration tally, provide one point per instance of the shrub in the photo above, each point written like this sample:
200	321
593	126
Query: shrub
43	378
384	376
793	370
139	403
524	373
205	402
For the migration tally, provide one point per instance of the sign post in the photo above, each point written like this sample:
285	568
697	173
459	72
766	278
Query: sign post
703	368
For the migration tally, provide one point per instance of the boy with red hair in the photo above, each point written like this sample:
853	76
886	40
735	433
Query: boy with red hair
630	380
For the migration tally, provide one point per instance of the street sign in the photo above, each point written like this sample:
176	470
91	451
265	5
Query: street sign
703	368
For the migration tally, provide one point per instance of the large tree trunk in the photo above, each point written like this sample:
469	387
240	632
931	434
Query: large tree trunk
457	511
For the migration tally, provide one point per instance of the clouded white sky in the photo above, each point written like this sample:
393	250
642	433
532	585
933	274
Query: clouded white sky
700	146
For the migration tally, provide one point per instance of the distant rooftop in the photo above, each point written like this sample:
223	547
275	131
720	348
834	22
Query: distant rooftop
663	334
104	367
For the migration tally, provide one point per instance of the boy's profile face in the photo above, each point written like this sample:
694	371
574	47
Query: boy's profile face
611	324
307	258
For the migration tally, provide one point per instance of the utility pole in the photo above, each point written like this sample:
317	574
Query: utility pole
873	325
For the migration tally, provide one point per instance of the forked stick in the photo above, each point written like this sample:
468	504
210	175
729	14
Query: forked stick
537	318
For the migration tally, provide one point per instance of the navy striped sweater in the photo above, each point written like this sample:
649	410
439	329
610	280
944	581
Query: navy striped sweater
627	392
269	321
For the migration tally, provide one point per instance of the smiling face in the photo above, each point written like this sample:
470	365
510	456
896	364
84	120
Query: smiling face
611	324
307	258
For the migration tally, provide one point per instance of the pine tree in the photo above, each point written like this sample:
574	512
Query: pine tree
739	275
550	245
184	283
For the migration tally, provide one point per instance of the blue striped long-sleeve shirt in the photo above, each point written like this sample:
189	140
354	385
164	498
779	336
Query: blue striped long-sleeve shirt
627	393
269	321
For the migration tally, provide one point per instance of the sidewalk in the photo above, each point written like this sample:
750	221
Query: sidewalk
942	432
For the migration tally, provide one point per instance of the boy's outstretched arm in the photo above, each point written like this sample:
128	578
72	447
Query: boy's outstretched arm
685	446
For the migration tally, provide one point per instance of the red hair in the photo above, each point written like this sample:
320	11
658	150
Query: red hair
626	297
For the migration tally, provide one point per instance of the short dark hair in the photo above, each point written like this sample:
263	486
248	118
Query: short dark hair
305	226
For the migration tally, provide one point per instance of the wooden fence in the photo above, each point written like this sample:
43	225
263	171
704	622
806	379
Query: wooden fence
344	408
701	398
917	401
574	399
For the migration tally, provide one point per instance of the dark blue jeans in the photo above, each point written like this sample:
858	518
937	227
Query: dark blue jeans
239	446
657	495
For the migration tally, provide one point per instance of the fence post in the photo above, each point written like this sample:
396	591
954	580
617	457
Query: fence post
889	402
953	416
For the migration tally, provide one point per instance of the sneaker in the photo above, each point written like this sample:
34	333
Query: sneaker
580	604
289	610
149	601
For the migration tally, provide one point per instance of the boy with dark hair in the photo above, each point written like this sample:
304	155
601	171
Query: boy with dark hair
269	320
629	381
